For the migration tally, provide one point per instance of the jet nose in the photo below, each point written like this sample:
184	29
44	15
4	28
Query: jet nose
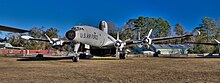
70	34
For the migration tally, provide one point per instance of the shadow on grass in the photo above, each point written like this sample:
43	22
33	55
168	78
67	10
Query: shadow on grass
42	58
207	57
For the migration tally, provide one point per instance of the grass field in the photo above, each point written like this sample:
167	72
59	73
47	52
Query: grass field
139	69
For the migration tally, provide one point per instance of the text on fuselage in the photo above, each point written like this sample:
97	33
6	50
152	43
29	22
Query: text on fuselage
89	36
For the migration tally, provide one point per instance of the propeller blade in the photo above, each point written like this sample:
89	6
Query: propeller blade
217	41
149	33
117	35
49	39
197	33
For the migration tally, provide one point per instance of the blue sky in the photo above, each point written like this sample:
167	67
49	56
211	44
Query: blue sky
63	14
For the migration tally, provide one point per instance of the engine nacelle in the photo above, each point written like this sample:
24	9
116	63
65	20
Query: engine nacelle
147	40
58	42
117	44
70	35
120	45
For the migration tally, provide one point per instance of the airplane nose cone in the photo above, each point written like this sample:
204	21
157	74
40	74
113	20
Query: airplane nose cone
70	34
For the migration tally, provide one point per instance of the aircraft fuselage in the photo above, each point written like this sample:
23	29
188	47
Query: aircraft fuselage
91	36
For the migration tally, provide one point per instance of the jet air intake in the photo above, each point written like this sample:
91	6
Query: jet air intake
70	35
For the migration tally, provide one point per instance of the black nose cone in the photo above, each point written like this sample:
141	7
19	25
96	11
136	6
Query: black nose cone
70	34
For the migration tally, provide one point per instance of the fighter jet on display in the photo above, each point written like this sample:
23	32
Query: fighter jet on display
100	38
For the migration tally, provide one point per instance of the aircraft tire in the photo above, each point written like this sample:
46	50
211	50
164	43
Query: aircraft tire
75	59
122	55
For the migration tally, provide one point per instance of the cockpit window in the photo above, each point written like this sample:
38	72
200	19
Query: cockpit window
77	28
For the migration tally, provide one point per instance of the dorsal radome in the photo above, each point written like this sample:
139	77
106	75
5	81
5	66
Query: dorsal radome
103	26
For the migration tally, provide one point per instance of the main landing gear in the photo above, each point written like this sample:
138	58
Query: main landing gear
121	55
75	58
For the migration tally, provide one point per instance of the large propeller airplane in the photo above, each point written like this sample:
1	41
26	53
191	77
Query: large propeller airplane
100	38
97	37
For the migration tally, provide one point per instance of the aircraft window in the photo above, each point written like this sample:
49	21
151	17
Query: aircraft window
77	28
94	33
74	28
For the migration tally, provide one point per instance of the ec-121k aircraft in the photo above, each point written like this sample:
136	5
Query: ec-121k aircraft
100	38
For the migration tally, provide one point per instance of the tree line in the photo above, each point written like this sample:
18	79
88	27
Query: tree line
209	28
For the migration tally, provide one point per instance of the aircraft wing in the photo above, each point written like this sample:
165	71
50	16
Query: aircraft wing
45	40
128	42
149	40
172	37
10	29
39	39
214	44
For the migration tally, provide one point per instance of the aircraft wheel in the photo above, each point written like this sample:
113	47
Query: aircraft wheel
40	56
75	59
122	55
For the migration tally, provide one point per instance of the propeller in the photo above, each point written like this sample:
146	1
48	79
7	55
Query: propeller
50	40
218	45
147	40
119	45
197	33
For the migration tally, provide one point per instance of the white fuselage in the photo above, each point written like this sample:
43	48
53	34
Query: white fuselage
93	36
